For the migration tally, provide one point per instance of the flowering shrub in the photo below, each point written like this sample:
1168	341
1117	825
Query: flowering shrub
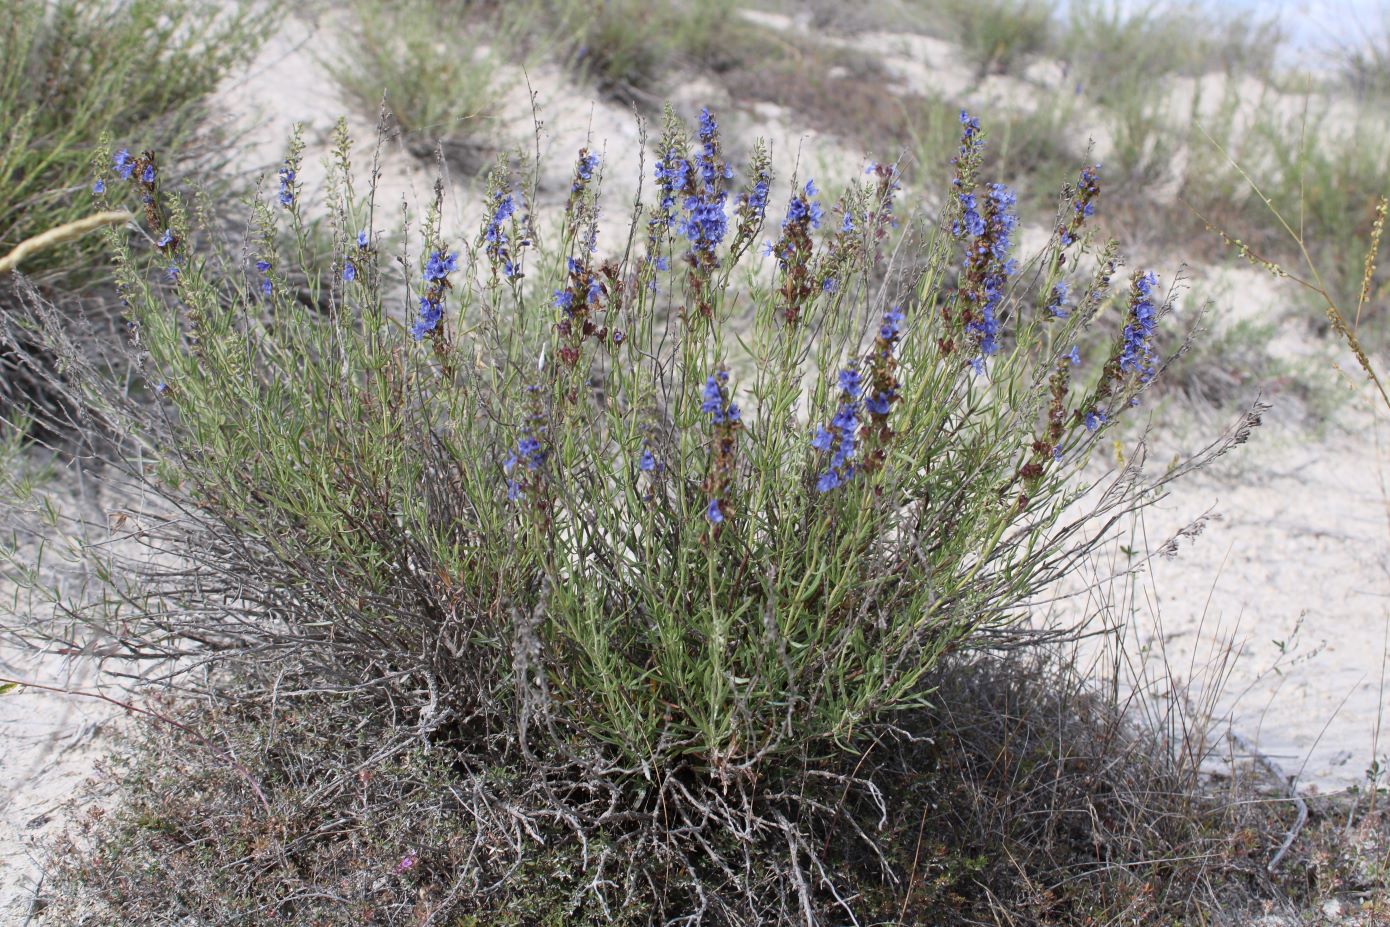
559	485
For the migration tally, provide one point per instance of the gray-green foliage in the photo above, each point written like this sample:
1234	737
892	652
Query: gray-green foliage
72	70
439	68
998	35
556	513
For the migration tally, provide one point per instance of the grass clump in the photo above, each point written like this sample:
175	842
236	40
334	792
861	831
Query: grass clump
664	534
999	35
73	70
423	60
630	48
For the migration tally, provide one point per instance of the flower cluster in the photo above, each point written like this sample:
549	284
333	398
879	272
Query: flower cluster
1057	300
793	251
584	295
673	183
1083	205
883	386
705	223
1136	350
287	185
841	440
524	465
168	244
987	271
530	453
143	172
364	246
752	202
583	171
725	417
881	218
263	268
123	164
497	234
967	163
845	248
436	275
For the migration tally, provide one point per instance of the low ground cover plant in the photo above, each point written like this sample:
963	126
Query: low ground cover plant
640	531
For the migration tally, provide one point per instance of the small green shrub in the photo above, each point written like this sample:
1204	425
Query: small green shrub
564	513
1116	47
436	67
998	35
1323	178
71	70
630	47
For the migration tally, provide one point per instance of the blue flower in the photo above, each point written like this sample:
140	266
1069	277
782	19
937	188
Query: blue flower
1074	355
564	299
428	319
363	242
804	207
124	164
705	224
99	187
147	175
530	448
498	244
647	462
349	271
711	171
440	266
843	435
286	186
172	271
1056	303
829	285
1094	420
756	200
850	382
1136	354
267	288
713	512
672	176
712	400
166	239
880	403
970	222
892	325
848	224
584	170
263	267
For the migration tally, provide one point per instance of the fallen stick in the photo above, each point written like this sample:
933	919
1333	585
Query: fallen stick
61	235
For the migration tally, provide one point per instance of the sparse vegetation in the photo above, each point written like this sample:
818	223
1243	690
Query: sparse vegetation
424	63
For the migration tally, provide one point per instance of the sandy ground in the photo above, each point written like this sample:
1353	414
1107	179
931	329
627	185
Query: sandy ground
1291	575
